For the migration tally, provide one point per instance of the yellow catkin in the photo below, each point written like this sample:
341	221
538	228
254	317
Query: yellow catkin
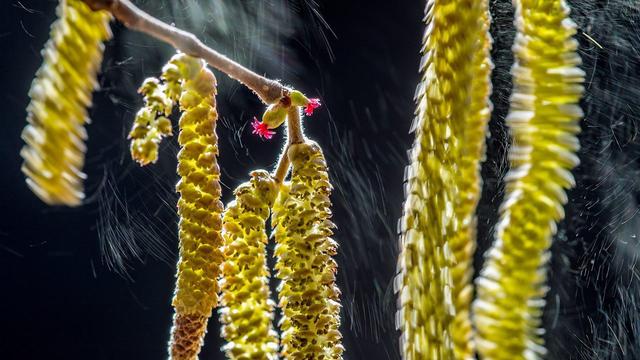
60	94
308	295
151	123
247	311
544	121
469	182
199	208
437	237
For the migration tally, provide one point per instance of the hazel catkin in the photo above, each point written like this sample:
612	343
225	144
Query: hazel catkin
60	95
544	121
199	208
442	185
247	310
308	295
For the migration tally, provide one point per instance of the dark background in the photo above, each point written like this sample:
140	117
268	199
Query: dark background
95	282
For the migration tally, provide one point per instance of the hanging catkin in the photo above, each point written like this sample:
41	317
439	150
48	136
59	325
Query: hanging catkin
60	95
199	208
469	182
308	295
437	238
151	123
544	121
247	310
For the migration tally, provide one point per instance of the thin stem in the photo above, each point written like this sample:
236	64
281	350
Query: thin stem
269	91
283	166
294	126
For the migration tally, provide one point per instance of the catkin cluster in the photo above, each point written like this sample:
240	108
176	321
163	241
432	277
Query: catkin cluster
247	310
60	95
226	254
544	121
308	295
442	183
199	206
212	261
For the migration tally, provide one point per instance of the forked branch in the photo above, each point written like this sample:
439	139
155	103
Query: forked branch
294	136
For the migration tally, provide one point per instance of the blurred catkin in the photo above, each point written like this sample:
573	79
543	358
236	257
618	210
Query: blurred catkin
247	310
443	184
544	121
308	295
469	182
199	207
60	95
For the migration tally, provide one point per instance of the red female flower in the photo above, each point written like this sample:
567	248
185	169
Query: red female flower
261	129
311	105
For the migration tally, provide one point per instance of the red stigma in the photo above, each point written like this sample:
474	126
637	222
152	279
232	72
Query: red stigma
312	105
261	129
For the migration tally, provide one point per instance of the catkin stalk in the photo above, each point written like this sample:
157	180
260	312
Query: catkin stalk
60	95
247	310
308	295
199	208
442	183
544	121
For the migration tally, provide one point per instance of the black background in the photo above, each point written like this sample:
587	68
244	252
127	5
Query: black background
95	282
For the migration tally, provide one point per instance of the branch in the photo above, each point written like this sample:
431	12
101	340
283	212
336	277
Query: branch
269	91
